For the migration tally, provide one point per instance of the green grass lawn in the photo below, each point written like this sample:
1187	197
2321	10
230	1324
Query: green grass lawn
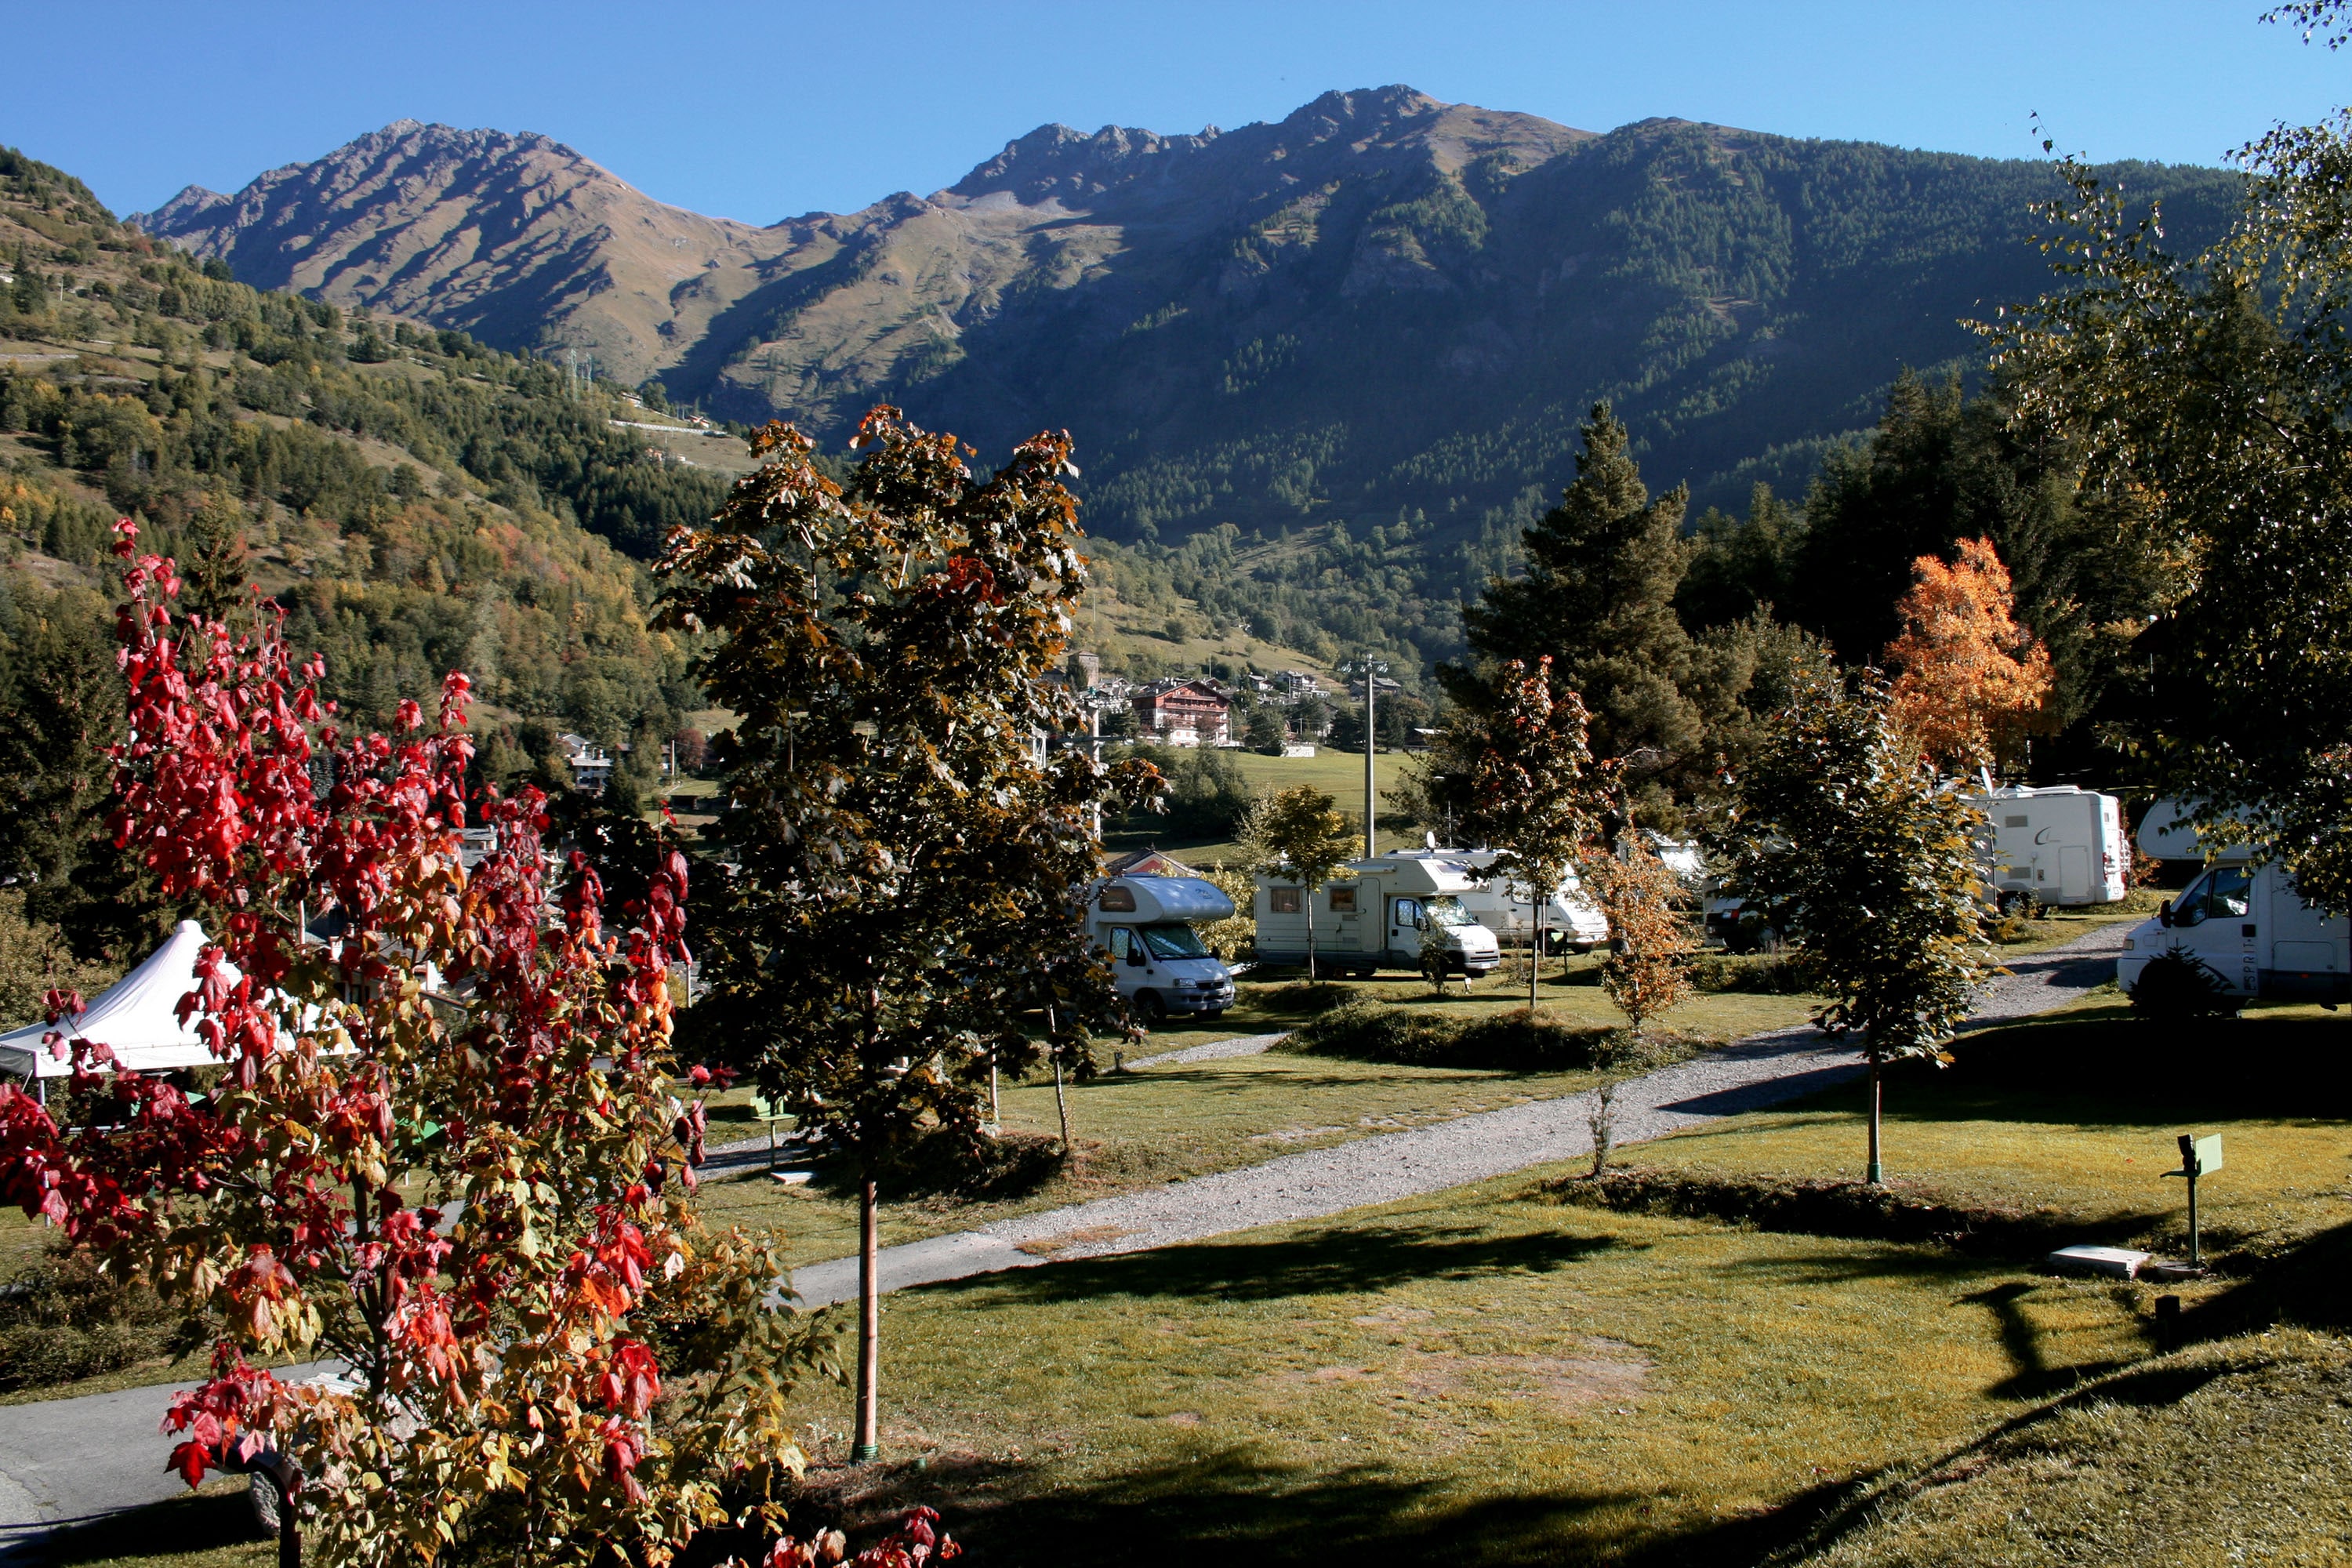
2078	1112
1157	1124
1489	1376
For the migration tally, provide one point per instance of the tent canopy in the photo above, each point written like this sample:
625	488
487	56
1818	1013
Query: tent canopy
137	1016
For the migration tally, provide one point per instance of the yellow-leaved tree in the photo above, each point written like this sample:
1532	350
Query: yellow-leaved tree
1971	683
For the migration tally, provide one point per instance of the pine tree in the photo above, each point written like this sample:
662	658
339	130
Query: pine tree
1598	601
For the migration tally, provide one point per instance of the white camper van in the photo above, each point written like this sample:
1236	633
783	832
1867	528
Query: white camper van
1145	923
1376	914
2244	922
2059	846
1568	919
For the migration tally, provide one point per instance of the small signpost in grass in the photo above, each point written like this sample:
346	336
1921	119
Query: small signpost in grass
768	1110
2198	1157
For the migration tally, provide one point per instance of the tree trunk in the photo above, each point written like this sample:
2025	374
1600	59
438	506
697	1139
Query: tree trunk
869	1329
1534	958
1307	901
1062	1106
290	1528
1877	1170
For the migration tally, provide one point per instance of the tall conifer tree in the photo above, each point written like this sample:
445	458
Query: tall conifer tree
1598	601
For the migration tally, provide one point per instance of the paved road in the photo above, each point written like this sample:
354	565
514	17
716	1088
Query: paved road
70	1459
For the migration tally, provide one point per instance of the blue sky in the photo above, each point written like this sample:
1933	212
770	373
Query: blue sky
762	112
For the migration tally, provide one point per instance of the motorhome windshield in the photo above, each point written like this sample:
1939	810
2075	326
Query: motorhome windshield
1173	941
1446	912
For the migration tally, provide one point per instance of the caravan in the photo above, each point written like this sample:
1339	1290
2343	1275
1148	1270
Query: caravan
2244	922
2060	845
1376	914
1145	923
1568	920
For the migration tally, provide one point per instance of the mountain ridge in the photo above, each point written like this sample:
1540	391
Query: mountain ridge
1380	310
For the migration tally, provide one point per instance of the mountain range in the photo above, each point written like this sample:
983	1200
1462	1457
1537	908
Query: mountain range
1383	309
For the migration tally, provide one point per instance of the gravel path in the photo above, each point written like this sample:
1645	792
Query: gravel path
67	1460
1757	1072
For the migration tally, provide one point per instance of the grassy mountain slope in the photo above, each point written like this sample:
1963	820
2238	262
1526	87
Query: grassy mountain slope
417	502
1379	301
1383	312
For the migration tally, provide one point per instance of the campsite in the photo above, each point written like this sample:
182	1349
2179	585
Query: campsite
760	811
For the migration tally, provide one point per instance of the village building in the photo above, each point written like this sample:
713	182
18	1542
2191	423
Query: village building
1180	713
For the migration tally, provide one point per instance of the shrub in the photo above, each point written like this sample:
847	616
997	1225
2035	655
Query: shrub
63	1320
1011	1165
1822	1206
1768	974
1304	998
2176	984
1516	1041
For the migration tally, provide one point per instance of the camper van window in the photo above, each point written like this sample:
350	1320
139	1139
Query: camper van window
1172	941
1404	912
1343	900
1446	913
1118	901
2227	899
1285	900
1121	942
2220	894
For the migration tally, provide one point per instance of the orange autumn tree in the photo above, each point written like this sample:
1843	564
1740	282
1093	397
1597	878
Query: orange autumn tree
1972	683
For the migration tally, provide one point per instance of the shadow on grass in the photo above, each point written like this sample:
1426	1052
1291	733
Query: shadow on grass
1323	1263
1238	1508
2110	1070
2022	1339
213	1519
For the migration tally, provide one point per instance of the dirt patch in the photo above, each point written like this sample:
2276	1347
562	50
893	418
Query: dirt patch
1393	1317
1085	1236
1613	1375
1182	1419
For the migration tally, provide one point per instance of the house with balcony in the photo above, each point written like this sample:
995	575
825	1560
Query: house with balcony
1179	712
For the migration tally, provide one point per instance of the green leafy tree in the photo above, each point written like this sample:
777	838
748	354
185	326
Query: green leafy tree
1526	781
2213	388
1264	733
1597	600
902	916
60	705
1299	834
1841	837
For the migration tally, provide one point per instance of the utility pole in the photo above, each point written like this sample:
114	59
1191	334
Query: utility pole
1373	670
1371	829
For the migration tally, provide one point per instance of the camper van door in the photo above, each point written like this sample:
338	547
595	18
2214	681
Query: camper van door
2213	922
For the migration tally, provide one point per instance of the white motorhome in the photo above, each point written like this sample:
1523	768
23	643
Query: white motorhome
1376	914
1568	919
2244	922
1145	923
2059	846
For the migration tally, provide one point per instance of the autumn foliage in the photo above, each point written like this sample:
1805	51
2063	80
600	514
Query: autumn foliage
1972	683
442	1150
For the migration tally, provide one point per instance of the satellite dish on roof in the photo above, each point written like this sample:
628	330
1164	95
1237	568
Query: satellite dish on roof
1430	838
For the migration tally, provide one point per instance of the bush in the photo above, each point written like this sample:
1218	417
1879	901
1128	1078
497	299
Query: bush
1821	1206
1768	975
1518	1041
2175	985
62	1319
1010	1165
1303	997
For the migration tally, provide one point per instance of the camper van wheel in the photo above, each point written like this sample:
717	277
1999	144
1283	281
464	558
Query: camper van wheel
1153	1009
1367	972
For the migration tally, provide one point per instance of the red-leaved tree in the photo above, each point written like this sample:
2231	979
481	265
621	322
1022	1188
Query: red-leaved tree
442	1150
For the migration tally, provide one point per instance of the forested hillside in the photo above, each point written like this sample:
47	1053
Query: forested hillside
1332	363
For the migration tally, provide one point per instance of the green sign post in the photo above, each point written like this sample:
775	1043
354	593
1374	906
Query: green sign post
2198	1157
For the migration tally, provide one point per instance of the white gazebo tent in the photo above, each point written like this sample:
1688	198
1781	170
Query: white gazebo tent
138	1017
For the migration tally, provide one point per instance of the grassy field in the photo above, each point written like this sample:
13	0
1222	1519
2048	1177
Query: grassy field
2078	1112
1489	1376
1162	1123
